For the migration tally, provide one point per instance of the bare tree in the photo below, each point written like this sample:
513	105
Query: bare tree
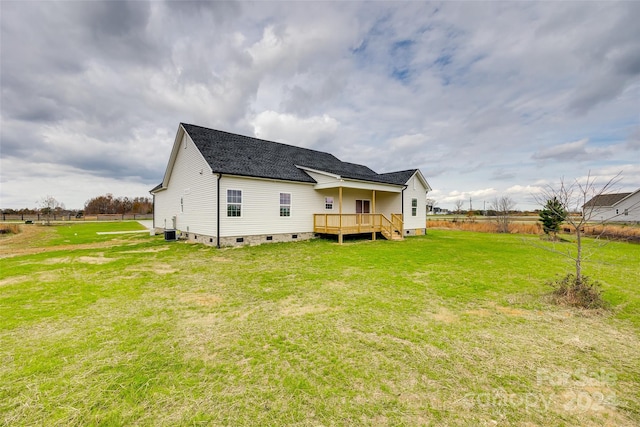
502	206
48	206
459	204
578	198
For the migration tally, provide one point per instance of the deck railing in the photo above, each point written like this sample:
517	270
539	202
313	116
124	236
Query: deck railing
358	223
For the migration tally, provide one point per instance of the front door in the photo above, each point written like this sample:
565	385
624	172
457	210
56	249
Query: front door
363	207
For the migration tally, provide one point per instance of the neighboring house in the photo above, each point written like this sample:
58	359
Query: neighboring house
623	207
225	189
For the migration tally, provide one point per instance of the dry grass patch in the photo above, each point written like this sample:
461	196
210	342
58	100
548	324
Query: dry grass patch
608	231
444	315
205	300
100	259
484	226
157	268
293	308
9	229
147	250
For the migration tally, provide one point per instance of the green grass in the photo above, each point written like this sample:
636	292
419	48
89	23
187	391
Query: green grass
452	328
79	233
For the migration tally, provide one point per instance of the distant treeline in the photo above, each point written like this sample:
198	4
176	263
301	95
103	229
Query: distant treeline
108	204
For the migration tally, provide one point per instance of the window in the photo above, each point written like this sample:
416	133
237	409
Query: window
285	204
234	203
414	207
626	211
328	203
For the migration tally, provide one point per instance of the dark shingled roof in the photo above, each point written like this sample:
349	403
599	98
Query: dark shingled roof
606	199
233	154
400	177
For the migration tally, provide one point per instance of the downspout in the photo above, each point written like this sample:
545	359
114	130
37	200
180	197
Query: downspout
402	201
218	213
154	212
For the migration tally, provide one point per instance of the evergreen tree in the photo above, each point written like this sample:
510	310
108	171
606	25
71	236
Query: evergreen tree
552	216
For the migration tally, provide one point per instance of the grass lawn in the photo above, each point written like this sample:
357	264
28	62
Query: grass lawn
451	328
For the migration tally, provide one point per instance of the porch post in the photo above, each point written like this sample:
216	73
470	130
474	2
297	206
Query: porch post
373	213
340	212
373	201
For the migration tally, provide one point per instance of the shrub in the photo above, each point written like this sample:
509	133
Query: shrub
9	229
583	293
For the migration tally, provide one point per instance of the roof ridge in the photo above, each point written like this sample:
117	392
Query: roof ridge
263	140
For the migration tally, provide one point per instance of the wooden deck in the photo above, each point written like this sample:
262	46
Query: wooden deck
344	224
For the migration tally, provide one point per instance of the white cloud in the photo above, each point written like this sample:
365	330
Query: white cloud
567	151
287	128
479	196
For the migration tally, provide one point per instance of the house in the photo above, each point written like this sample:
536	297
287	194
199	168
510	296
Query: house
622	207
225	189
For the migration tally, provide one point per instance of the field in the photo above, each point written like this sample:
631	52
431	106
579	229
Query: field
453	328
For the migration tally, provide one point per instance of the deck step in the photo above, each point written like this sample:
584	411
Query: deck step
394	236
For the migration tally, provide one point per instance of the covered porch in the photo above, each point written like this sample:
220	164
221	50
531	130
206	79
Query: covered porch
364	220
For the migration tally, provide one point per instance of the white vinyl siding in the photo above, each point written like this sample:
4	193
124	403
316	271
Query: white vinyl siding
190	196
261	208
626	210
415	201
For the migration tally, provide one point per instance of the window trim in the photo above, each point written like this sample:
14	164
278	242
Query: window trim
327	203
285	205
414	206
239	204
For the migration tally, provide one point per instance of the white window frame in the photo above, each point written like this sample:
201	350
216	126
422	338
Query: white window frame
328	206
414	207
239	204
285	206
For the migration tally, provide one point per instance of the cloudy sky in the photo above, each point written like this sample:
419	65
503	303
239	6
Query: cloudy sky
486	98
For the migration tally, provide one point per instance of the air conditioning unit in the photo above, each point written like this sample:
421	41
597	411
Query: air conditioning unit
170	235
